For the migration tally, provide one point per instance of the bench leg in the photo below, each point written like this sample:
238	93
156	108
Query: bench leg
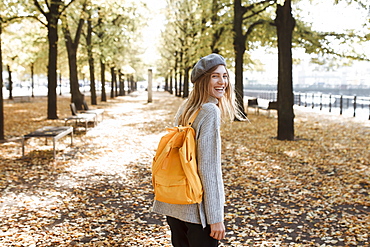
54	151
23	142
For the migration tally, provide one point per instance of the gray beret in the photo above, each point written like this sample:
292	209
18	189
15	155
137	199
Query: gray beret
205	64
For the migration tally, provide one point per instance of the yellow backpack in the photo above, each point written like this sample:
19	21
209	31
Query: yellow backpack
174	169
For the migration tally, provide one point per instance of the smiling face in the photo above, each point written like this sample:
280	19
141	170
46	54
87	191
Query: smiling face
218	82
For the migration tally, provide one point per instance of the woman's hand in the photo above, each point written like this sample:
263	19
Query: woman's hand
218	230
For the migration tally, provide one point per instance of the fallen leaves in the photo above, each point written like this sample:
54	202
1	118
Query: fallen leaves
298	190
309	192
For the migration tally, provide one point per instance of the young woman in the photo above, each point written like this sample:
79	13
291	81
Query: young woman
202	225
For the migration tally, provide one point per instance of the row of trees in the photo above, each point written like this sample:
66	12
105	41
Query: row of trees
105	33
95	33
233	28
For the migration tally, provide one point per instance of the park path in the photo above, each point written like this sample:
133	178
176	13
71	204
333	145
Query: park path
98	192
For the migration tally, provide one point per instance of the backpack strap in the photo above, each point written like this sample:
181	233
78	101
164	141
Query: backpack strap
191	120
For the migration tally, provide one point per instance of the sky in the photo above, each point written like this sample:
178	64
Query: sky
326	17
152	33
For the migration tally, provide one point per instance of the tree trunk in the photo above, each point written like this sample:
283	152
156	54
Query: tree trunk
171	82
176	89
186	83
32	80
166	84
10	81
52	27
77	96
2	137
102	78
121	84
285	24
176	84
72	46
134	82
116	81
113	83
91	61
52	18
217	32
239	48
180	83
92	81
129	84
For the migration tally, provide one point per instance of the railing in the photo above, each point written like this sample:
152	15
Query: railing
353	105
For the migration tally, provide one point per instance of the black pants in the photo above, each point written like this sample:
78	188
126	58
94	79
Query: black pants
184	234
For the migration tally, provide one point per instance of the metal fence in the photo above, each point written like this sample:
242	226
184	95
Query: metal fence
351	105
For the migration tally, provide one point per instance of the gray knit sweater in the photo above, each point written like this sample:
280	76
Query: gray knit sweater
208	140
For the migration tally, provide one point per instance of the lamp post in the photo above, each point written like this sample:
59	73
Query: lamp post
60	81
150	85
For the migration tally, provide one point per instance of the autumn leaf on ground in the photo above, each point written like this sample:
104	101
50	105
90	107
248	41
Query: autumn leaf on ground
310	192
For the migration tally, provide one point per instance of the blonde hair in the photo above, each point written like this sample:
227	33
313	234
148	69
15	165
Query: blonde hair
200	96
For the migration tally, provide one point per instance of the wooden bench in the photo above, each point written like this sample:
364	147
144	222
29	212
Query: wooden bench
97	112
21	99
84	117
81	118
49	132
253	103
273	105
